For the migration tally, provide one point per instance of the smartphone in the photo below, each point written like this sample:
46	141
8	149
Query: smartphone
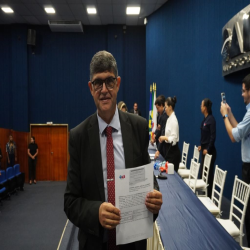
223	97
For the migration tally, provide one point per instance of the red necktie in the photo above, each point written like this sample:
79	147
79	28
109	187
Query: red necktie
111	184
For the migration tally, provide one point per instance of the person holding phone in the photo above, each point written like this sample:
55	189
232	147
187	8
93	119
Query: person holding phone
208	136
241	132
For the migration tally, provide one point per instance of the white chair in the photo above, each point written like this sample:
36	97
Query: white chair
192	179
214	204
184	156
184	173
240	195
201	184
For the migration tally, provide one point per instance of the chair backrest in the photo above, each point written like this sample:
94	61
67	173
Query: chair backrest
2	176
185	153
196	154
9	173
17	169
206	167
219	182
193	174
240	195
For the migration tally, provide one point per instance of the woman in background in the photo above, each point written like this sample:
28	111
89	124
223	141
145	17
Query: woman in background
171	138
208	135
122	106
11	152
32	153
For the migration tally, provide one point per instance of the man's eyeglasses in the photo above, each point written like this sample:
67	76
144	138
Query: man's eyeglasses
109	82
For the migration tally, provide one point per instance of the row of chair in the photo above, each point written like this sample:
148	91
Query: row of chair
240	194
10	181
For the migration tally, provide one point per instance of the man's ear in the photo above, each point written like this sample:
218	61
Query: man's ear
91	88
118	82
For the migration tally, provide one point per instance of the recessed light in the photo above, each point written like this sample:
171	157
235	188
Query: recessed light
91	10
50	10
133	10
7	10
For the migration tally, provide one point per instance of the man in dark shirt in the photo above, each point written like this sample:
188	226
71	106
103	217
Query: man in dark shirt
161	123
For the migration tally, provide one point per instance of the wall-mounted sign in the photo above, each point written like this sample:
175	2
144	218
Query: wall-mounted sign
236	43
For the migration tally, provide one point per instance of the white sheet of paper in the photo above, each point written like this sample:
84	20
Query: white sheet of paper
131	188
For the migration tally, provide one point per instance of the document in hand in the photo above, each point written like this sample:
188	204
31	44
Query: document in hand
131	188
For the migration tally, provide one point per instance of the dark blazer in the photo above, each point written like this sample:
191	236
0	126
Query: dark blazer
132	111
85	188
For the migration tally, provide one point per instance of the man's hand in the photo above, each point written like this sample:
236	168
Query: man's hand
199	148
224	108
154	201
109	215
157	153
204	151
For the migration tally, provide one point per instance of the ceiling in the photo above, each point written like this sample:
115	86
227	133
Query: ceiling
108	11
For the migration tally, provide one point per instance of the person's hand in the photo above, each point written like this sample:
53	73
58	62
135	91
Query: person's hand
33	157
161	139
229	111
157	153
199	148
109	215
153	201
223	109
204	151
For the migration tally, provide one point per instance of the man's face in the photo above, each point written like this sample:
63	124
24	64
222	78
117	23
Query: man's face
105	99
135	106
245	94
11	138
202	107
159	108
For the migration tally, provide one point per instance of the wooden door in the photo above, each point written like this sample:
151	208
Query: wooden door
52	156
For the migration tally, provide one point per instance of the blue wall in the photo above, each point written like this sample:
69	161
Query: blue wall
183	44
51	85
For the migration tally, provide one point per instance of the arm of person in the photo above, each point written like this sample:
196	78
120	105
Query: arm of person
243	129
231	117
29	154
8	158
36	153
173	130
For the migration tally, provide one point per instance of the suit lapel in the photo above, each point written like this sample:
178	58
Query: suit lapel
127	139
95	149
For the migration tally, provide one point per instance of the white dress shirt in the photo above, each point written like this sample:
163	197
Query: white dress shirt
172	129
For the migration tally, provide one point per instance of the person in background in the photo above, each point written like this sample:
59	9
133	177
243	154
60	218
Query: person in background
161	123
11	152
241	132
122	106
135	110
171	137
32	153
208	136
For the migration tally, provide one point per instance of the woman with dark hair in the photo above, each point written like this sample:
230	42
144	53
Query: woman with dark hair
208	135
11	152
32	153
171	138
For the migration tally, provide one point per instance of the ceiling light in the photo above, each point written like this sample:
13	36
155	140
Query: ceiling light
50	10
7	10
133	10
145	20
91	10
245	16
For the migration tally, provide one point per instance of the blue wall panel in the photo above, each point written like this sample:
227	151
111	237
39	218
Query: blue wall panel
183	44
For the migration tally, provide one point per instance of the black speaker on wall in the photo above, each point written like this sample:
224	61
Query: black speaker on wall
31	38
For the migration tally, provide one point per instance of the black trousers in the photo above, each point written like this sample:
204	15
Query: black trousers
173	155
32	169
12	160
246	178
211	171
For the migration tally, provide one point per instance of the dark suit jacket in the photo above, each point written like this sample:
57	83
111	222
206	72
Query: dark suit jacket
132	111
85	188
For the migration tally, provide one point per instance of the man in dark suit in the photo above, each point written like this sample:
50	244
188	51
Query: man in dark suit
85	198
135	110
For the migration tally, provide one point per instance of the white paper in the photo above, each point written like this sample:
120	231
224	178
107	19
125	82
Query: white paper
131	188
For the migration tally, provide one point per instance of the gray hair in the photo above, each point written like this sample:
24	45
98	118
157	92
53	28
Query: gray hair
103	61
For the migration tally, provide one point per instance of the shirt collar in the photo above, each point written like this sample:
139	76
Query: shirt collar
115	122
248	106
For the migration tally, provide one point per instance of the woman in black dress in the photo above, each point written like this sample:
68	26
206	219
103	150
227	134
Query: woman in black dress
32	153
208	135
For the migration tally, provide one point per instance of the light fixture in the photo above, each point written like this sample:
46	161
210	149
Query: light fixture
133	10
50	10
245	16
145	20
7	10
91	10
